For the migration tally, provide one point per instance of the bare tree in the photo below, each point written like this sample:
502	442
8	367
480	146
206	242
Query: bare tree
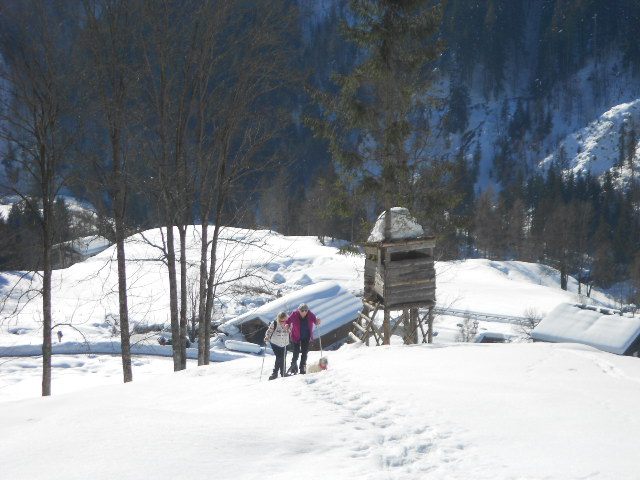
36	111
468	329
209	71
110	76
237	120
170	39
531	318
193	295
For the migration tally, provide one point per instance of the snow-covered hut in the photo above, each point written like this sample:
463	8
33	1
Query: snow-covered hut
601	328
73	251
493	337
335	306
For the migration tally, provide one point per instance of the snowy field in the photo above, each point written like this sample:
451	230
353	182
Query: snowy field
447	410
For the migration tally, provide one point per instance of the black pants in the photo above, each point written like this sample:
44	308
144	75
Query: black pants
280	353
300	348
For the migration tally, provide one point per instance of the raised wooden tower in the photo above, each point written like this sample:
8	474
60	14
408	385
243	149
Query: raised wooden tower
398	275
401	274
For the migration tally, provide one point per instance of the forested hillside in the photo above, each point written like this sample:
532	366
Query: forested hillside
194	115
536	130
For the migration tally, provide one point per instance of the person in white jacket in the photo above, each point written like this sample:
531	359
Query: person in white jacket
278	335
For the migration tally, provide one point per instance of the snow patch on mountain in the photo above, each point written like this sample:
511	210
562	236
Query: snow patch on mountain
596	147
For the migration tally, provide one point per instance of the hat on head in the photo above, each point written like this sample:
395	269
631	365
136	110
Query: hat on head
303	307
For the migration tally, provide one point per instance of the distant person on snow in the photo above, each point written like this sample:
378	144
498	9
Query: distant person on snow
278	335
301	322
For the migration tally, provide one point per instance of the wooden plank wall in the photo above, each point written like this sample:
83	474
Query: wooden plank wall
401	273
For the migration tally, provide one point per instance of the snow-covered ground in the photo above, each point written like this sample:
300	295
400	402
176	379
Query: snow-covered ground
444	411
457	411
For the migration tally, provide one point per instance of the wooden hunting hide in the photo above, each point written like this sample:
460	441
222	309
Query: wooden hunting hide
398	275
401	274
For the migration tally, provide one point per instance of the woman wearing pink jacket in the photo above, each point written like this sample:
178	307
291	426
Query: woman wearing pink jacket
301	323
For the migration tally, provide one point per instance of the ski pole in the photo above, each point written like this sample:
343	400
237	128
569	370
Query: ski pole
264	354
319	340
284	362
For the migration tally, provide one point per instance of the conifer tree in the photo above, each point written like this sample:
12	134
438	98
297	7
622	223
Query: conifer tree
372	123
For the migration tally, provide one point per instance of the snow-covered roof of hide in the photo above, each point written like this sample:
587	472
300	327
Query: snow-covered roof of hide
88	246
328	300
589	326
403	226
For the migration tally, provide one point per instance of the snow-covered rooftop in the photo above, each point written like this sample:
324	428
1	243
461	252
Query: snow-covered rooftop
88	246
604	331
403	226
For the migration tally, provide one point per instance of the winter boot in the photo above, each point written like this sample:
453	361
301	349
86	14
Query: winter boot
303	369
274	375
293	369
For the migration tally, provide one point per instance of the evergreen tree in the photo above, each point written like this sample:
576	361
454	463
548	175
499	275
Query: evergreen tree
632	140
562	161
371	123
61	221
457	117
622	148
487	225
516	220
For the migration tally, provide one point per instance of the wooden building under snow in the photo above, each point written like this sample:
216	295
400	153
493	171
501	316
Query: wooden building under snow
602	328
401	273
332	303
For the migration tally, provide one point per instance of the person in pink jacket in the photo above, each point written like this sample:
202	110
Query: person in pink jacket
301	323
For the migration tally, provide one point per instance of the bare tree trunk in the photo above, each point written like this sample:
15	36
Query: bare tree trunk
46	307
203	288
173	298
206	331
123	309
183	297
109	76
564	276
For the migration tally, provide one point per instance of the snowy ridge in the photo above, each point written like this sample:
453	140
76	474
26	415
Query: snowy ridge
595	148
